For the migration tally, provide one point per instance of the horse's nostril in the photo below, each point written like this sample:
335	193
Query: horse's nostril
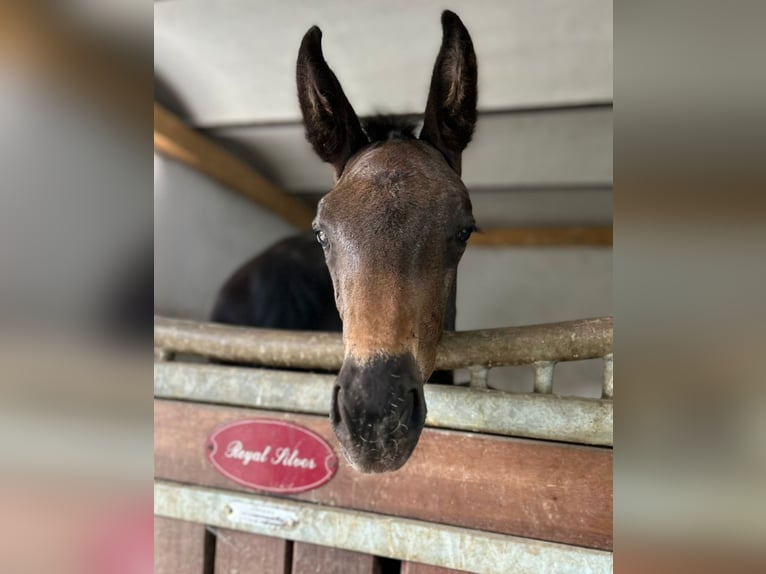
342	413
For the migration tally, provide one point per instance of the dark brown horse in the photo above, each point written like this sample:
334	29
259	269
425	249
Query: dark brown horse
393	230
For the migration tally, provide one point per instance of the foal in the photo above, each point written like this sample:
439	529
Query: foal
392	230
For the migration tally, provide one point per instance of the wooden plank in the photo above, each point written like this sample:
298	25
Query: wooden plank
417	568
173	138
571	235
315	559
542	490
179	546
240	552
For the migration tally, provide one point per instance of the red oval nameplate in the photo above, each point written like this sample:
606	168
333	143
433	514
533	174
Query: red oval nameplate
271	455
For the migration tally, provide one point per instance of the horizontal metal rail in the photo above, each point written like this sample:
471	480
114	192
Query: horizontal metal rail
540	416
370	533
552	342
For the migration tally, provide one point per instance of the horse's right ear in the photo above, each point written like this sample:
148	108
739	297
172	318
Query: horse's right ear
332	126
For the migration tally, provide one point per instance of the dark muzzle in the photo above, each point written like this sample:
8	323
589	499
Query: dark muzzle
378	411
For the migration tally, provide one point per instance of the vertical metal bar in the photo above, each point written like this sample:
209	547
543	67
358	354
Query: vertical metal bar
607	391
479	376
544	376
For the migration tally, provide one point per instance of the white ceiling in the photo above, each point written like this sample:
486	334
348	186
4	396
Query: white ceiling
551	148
233	61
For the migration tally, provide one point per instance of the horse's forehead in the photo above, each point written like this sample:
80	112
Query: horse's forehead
396	175
411	158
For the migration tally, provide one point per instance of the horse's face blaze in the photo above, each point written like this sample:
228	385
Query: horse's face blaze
393	229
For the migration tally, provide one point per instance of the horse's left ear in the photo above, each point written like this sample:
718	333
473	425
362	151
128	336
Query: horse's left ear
451	109
332	126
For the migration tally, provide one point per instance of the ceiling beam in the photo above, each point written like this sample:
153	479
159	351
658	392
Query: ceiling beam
567	235
172	137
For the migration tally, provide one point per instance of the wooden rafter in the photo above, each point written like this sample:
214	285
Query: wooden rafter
175	139
560	236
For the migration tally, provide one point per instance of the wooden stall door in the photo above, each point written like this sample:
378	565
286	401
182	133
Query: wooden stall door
417	568
181	547
314	559
242	553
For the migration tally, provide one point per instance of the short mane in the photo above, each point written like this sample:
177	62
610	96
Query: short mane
382	128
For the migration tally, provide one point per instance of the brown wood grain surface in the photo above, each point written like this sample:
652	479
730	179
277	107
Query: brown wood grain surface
241	552
417	568
179	547
549	491
564	235
314	559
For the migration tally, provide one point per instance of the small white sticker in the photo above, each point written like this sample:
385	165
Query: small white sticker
261	515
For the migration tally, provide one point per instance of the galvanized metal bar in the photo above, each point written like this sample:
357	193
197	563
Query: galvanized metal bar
239	386
370	533
544	377
568	341
608	387
479	377
267	347
548	417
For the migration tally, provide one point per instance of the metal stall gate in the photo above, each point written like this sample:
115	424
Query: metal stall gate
499	482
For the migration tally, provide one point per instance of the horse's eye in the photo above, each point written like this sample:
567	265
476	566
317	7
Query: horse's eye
321	238
464	234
